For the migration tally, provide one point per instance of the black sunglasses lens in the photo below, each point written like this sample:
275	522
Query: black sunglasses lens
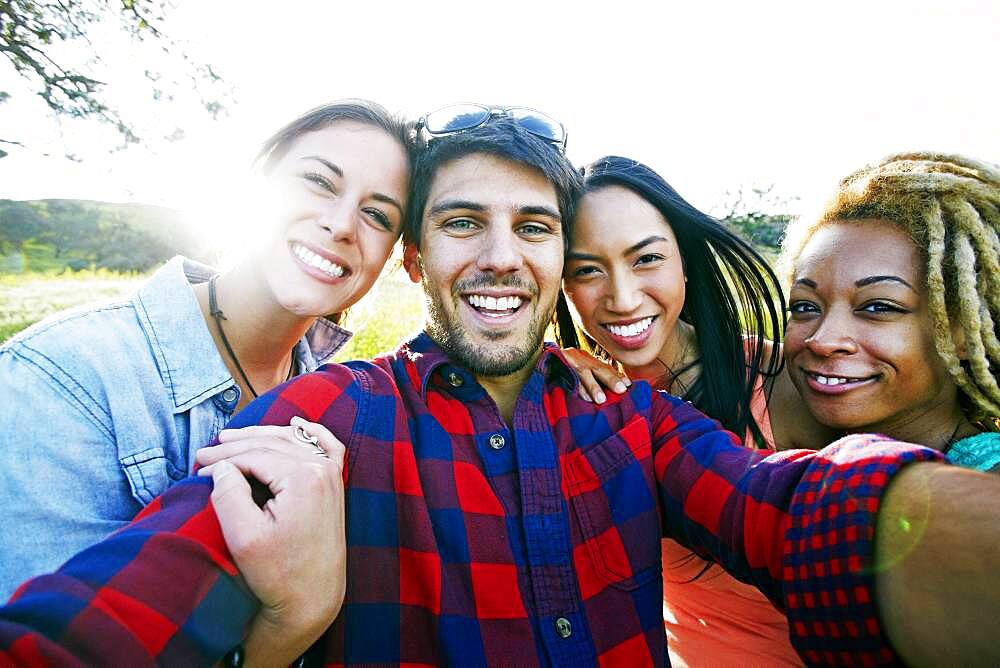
538	123
455	118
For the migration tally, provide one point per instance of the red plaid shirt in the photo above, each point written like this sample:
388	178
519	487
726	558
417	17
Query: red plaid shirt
472	542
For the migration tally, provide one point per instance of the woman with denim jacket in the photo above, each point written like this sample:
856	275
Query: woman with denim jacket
104	407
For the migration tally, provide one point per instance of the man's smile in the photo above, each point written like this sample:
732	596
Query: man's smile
496	308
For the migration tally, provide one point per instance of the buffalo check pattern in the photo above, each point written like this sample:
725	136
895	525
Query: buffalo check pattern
475	543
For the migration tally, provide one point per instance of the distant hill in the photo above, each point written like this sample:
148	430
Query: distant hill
54	234
50	235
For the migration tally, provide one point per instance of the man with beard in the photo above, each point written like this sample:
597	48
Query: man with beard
496	518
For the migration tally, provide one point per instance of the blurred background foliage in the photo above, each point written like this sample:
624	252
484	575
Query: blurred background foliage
45	236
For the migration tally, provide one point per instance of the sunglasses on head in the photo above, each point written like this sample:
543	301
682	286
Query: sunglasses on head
461	117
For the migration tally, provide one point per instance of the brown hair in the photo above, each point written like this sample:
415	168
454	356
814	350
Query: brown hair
352	109
358	110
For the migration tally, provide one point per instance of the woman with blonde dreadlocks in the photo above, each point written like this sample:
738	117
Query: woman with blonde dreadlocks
894	305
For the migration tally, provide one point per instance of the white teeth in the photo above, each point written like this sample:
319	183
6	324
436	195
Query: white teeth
494	303
833	380
317	261
634	329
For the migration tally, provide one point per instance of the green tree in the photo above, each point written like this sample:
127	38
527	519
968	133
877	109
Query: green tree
758	216
126	248
73	232
20	222
33	37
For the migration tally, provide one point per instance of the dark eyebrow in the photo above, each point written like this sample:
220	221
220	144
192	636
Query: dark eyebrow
861	282
469	205
388	200
339	172
539	210
452	204
878	279
329	165
577	255
642	244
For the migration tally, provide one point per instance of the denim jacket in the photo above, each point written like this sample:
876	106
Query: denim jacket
102	409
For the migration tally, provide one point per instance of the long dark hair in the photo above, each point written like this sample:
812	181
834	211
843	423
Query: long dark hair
731	293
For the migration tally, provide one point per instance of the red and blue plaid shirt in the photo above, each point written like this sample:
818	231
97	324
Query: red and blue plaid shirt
473	542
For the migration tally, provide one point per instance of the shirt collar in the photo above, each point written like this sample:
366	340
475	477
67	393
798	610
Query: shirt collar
322	341
427	357
189	362
556	366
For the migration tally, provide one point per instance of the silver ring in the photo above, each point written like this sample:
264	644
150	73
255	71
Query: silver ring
304	437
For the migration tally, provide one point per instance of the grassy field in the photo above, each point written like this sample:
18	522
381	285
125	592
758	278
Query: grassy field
391	312
27	298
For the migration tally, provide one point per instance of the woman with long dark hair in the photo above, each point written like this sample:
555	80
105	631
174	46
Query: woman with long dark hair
674	298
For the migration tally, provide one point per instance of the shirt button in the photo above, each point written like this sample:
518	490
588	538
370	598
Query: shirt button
564	628
230	395
455	380
496	441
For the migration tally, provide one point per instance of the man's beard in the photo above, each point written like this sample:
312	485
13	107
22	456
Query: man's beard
486	360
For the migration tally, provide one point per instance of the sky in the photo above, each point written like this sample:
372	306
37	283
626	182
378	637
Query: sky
713	95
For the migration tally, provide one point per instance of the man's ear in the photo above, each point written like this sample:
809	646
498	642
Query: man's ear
411	263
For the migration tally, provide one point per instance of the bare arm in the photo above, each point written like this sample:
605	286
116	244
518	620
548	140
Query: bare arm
937	546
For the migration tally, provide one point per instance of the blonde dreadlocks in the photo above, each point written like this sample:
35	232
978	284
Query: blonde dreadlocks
950	207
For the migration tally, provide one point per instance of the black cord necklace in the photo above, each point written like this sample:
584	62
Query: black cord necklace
951	439
213	308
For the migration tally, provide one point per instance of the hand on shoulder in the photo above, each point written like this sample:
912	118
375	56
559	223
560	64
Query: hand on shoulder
595	375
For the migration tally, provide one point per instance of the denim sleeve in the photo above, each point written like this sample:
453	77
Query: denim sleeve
164	589
62	487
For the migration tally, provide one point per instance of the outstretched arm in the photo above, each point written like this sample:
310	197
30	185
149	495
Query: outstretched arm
801	526
937	554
